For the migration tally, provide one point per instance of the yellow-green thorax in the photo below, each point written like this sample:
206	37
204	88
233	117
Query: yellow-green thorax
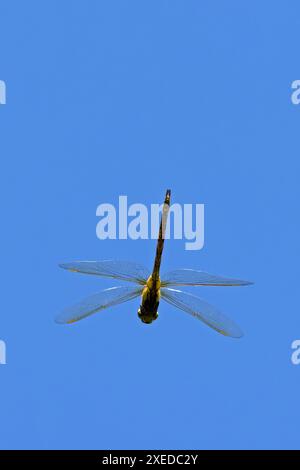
150	300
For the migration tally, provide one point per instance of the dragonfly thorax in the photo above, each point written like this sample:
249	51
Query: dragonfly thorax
150	301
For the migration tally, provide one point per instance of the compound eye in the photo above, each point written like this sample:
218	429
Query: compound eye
139	312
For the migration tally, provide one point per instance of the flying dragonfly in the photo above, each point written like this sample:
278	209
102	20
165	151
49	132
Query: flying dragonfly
152	288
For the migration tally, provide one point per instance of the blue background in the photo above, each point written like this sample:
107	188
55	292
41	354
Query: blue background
111	97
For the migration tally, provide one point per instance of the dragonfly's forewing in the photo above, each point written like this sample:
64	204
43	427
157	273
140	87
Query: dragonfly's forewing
123	270
95	303
202	311
191	277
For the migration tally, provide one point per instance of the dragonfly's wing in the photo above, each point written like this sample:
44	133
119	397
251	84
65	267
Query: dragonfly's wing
95	303
201	310
126	271
190	277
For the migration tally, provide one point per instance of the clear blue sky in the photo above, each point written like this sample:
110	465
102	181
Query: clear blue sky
107	98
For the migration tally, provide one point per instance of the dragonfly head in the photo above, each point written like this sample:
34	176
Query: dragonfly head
146	316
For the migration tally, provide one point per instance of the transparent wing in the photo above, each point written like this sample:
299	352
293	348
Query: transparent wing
124	270
202	311
95	303
191	277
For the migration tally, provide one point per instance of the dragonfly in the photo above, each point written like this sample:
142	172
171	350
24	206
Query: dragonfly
152	288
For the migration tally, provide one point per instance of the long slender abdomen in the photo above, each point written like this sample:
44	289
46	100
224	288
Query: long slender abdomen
161	236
